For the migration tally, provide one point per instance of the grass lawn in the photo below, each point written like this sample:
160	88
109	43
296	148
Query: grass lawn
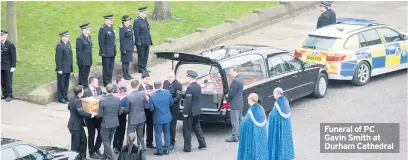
40	22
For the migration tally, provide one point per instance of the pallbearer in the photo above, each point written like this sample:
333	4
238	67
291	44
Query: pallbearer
63	62
84	54
126	45
107	48
8	65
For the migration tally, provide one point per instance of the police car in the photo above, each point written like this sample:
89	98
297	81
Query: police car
355	49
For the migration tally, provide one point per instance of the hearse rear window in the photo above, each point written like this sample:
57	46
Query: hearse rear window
318	43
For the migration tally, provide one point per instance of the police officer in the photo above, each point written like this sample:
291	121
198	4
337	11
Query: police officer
191	113
175	88
328	16
107	48
8	65
84	54
126	45
143	39
63	61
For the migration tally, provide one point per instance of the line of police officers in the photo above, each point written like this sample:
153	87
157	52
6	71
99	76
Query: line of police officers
139	36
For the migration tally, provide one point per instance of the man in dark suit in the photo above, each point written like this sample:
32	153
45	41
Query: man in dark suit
120	87
135	105
63	62
93	124
143	39
176	91
328	16
126	45
76	122
84	54
109	110
107	48
160	102
236	100
8	65
149	115
191	113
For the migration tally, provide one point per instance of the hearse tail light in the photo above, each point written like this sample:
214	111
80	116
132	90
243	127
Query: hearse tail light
336	57
297	54
225	104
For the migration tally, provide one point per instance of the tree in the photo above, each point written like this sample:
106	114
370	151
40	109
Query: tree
162	11
11	21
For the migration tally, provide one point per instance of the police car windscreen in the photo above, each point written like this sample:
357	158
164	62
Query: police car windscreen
318	43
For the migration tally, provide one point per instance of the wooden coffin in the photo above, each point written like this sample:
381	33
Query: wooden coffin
91	104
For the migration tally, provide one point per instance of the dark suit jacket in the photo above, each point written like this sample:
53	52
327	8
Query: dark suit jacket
107	43
88	92
84	50
63	57
141	28
135	105
326	18
8	55
235	93
117	90
176	91
109	110
142	88
192	100
160	103
76	114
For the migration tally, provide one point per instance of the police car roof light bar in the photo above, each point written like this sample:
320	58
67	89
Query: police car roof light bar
356	21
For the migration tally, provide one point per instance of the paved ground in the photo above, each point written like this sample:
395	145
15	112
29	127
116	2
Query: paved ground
383	100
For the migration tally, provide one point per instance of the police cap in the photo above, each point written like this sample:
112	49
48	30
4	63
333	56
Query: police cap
4	32
85	26
109	16
65	33
142	9
192	74
325	3
145	74
126	18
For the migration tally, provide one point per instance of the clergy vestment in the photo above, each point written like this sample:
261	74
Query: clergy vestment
280	140
253	144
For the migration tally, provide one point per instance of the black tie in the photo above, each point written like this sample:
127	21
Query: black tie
94	92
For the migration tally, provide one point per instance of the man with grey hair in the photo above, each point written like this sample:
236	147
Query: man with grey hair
237	102
280	140
175	88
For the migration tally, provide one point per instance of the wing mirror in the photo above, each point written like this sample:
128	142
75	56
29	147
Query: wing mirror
49	156
404	37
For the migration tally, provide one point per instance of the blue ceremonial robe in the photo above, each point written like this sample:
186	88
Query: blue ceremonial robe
253	144
280	140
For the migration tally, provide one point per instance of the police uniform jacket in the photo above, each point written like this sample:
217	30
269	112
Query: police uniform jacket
76	121
84	50
192	100
126	43
109	110
63	57
141	27
176	91
8	55
327	18
106	39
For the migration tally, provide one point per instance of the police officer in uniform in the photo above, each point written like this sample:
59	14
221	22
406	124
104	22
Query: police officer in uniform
175	88
8	65
63	61
143	39
191	113
107	48
126	45
328	16
76	122
84	54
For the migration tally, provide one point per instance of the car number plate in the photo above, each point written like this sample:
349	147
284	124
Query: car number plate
314	58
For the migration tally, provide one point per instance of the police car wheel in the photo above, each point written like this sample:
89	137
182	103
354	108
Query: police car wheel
362	74
321	86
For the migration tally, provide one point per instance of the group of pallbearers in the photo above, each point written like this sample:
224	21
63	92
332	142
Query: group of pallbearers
138	35
156	110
